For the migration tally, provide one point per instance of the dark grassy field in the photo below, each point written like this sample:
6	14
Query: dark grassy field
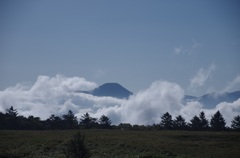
117	143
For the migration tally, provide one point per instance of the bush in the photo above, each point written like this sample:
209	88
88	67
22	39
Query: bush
76	147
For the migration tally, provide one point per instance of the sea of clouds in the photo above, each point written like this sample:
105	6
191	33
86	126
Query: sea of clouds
56	95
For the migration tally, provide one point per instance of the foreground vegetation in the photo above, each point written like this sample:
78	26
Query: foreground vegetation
122	143
58	136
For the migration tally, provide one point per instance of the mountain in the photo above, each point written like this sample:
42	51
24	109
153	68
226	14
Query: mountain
110	89
212	99
189	98
209	100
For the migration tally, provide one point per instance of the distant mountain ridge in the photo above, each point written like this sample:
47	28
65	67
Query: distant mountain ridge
110	89
212	99
209	100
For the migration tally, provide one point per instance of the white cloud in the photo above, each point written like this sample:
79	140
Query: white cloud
233	84
190	49
147	106
201	77
191	109
46	96
56	95
177	50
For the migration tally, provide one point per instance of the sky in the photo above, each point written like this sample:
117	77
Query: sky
136	43
131	42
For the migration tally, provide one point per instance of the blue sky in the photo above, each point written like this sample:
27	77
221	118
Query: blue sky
133	42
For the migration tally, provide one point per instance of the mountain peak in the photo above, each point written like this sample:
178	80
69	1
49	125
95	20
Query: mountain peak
112	90
111	84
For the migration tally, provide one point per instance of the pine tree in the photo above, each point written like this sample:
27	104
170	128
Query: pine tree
179	123
55	122
105	122
236	123
70	120
167	122
218	122
195	123
204	122
2	121
77	147
88	122
11	112
11	118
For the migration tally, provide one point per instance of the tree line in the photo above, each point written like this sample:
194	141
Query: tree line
11	120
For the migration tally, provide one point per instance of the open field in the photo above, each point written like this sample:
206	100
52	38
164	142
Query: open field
117	143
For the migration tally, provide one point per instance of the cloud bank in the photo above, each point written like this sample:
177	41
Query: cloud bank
56	95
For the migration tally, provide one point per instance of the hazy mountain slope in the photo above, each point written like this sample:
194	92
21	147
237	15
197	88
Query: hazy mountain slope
110	89
212	99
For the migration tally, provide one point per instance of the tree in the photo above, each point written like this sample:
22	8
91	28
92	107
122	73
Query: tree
2	121
217	122
236	123
125	126
88	122
23	123
204	122
199	123
179	123
104	122
54	122
195	123
70	120
11	112
167	122
34	123
77	148
11	118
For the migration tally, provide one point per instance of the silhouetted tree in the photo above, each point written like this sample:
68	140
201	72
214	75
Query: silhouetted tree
199	123
166	122
179	123
88	122
54	122
217	122
125	126
11	112
2	121
104	122
23	123
156	126
204	122
70	121
76	147
236	123
141	127
195	123
34	123
11	118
